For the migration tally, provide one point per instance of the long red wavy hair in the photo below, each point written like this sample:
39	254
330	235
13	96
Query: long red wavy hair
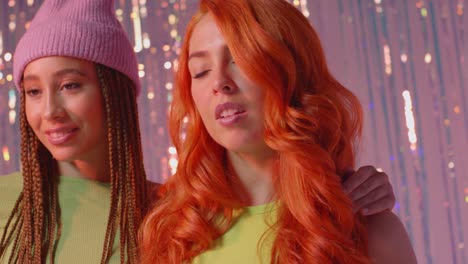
311	120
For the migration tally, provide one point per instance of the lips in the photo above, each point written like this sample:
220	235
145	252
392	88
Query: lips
229	113
61	135
228	110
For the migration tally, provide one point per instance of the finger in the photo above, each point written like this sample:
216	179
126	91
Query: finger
357	178
373	197
386	202
376	180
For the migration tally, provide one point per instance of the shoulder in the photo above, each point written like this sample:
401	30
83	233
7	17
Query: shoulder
10	189
14	178
388	240
11	184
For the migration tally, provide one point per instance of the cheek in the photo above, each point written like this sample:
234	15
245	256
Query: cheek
95	112
252	91
256	96
88	109
32	115
200	100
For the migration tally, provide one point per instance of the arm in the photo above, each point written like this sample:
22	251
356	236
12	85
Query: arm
388	240
370	190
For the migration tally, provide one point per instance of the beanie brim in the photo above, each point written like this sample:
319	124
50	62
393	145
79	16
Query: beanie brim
103	44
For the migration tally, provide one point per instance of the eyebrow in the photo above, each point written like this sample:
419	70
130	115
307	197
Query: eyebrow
60	73
198	54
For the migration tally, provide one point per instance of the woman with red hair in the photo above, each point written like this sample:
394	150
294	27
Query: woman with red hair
264	134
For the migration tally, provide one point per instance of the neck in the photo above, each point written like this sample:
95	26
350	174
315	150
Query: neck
254	182
91	170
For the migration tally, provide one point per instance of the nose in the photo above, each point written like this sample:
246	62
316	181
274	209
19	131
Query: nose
52	108
223	83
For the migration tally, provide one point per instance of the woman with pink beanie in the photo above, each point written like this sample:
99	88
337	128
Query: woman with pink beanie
82	191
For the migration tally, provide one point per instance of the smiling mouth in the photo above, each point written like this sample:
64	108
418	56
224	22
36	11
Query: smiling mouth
61	134
59	137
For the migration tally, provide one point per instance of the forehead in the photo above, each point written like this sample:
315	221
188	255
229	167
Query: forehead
206	35
47	65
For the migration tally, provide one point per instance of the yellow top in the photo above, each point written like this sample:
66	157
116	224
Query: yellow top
85	207
240	244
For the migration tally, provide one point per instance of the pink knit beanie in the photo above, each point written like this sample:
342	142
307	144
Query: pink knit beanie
84	29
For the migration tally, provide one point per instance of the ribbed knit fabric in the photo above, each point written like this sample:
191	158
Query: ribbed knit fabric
84	29
244	242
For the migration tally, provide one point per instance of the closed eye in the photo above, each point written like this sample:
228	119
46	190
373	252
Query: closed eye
201	74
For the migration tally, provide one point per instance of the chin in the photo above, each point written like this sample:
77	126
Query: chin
63	158
64	155
232	145
235	143
239	148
